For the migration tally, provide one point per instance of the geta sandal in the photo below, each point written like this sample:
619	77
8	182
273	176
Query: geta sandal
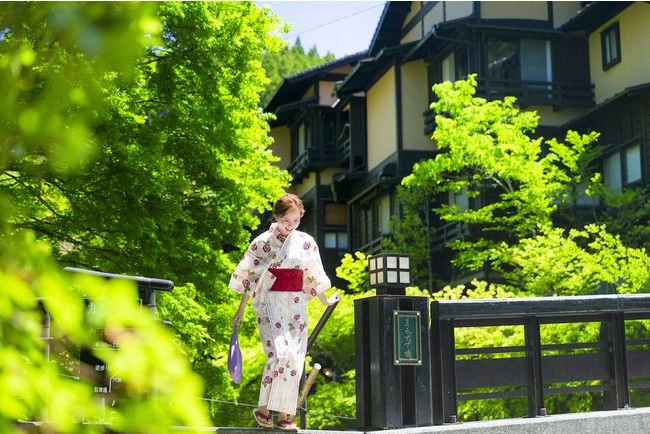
287	425
263	420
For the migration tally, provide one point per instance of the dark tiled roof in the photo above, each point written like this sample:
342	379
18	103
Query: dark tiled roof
363	75
294	86
387	32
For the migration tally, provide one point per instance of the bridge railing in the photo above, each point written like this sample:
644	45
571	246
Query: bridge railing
607	364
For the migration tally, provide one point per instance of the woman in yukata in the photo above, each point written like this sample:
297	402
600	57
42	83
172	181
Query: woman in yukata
281	271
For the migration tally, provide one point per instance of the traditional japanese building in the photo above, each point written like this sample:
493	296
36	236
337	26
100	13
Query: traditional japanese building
349	150
312	137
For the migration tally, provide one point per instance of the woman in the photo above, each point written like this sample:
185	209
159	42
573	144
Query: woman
281	271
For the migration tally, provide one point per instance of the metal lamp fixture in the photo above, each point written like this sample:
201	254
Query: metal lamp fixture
389	273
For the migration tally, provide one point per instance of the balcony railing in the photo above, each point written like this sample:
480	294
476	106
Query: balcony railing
447	232
310	159
343	145
527	92
557	94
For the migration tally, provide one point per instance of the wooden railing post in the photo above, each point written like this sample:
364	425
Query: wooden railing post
536	405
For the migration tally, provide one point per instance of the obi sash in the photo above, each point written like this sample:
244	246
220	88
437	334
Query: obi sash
286	279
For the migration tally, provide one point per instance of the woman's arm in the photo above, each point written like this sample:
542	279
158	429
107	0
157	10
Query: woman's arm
236	320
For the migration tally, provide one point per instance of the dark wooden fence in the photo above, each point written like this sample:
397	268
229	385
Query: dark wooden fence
606	365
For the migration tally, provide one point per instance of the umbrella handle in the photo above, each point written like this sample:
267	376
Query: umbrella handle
310	380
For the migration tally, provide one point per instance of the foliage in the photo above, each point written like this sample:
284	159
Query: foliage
55	61
519	188
354	269
287	62
177	150
485	149
627	213
414	232
576	262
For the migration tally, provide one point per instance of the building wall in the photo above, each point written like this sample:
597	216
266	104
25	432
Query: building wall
307	184
434	16
459	9
552	118
415	34
281	146
528	10
564	11
327	174
382	125
309	94
326	93
635	62
414	103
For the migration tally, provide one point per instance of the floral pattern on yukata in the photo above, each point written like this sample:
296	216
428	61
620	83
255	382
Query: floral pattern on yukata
281	316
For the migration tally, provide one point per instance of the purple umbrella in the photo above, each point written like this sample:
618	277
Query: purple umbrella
234	358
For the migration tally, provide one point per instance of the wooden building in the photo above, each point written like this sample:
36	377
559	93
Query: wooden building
580	65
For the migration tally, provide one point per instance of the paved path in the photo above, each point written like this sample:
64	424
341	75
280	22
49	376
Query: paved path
629	421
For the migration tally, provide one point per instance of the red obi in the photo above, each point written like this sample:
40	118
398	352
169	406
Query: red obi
286	279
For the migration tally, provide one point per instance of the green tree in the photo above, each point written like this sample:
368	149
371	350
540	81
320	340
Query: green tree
54	62
156	160
286	62
354	269
486	151
414	232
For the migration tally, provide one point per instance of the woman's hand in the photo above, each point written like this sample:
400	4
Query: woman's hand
239	315
333	299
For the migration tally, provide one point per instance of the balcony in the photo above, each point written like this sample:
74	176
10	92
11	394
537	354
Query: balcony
343	146
448	232
527	92
530	92
312	159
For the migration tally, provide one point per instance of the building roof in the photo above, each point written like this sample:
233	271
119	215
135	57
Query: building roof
439	35
388	30
368	70
294	86
594	15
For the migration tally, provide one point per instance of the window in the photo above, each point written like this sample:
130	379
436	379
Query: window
455	66
610	42
623	167
384	214
303	137
336	214
519	59
336	240
460	198
372	220
503	59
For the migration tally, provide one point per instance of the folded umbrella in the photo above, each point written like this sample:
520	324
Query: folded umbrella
234	358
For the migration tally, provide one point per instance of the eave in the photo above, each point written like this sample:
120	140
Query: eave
369	70
295	86
594	15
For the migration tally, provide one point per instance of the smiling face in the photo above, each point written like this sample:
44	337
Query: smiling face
288	221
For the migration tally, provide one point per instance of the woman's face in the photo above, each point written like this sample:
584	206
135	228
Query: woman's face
288	221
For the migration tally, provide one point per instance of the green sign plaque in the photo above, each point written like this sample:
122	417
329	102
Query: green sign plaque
406	337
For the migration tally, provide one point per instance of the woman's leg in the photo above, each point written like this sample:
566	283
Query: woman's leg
266	336
289	328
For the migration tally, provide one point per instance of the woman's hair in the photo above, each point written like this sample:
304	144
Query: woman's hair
285	202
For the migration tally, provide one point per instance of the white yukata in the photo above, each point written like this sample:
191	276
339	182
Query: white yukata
281	315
